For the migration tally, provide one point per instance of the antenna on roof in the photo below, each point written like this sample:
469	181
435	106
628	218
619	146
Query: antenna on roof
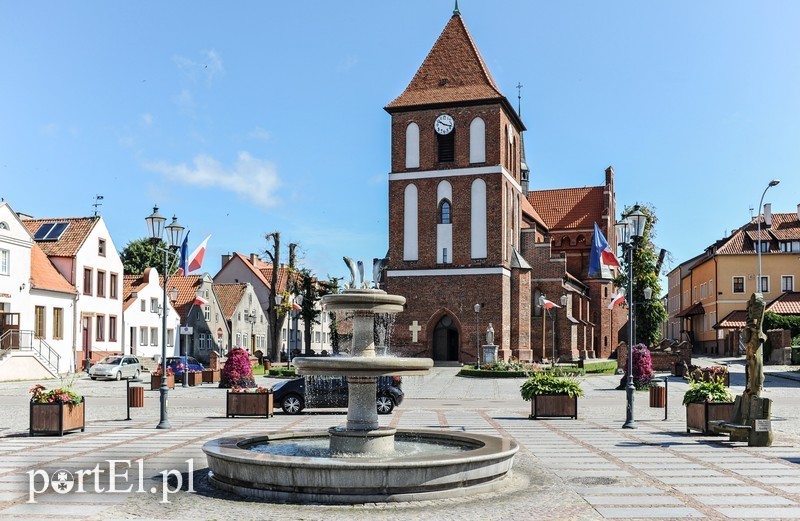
456	12
97	204
519	99
751	211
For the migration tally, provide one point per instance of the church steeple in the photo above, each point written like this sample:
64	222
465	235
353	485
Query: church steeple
456	12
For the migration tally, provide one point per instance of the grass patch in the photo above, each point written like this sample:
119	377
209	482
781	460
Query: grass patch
600	367
258	370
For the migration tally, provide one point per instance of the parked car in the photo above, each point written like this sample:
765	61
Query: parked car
116	367
331	391
178	363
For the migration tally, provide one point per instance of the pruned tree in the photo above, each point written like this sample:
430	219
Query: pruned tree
140	254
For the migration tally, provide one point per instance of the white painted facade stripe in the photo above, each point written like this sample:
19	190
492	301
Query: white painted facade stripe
449	272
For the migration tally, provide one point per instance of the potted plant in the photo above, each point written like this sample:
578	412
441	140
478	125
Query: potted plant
552	395
155	378
712	373
237	371
705	402
249	401
642	369
194	377
57	411
210	376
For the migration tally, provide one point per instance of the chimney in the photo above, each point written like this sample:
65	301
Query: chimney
225	259
768	215
254	259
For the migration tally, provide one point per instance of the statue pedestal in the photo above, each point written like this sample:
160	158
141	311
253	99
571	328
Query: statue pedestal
489	354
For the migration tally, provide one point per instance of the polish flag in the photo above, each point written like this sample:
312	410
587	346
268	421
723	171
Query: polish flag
617	299
296	306
195	260
200	301
549	305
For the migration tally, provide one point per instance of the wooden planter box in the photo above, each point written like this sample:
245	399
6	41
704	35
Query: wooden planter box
249	404
193	379
155	382
699	414
210	376
57	418
554	406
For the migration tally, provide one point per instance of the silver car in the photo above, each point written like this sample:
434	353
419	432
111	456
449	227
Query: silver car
116	367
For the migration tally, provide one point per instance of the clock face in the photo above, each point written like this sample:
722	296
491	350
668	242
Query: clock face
444	124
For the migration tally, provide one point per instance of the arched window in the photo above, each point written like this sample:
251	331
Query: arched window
412	145
477	141
410	227
444	212
581	240
564	241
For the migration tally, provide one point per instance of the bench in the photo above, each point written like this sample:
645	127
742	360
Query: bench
750	424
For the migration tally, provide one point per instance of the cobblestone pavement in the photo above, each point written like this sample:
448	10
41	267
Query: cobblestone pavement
588	468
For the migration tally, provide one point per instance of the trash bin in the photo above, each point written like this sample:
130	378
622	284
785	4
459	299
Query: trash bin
658	395
136	396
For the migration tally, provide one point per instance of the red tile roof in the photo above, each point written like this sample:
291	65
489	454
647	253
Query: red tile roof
45	276
71	240
453	71
787	304
187	287
569	208
263	271
229	296
784	227
131	284
530	211
695	309
733	320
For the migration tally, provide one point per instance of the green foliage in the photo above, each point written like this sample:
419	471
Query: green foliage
237	371
603	366
141	254
790	322
306	285
65	395
650	314
702	391
282	371
546	383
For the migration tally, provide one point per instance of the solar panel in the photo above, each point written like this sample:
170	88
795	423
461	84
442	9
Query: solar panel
56	232
43	230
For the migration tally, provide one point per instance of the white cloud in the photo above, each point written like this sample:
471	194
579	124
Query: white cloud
260	134
249	178
209	67
147	119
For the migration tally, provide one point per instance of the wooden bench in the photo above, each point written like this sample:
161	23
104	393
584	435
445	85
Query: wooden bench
747	427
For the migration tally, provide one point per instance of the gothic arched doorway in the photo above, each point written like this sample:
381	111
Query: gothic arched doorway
445	340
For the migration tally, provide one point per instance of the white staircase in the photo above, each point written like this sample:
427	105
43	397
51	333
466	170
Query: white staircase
24	343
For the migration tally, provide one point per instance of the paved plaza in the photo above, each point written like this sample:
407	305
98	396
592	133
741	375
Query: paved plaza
587	468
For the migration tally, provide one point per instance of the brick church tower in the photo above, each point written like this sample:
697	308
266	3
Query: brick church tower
456	208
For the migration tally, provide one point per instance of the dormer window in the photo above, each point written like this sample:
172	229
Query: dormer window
444	212
764	246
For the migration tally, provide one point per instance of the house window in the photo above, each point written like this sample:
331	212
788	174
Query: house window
153	305
143	335
101	328
87	281
738	284
101	247
316	337
786	246
207	312
153	336
58	323
764	286
238	339
39	322
444	255
112	282
787	283
710	288
170	334
703	290
112	328
447	147
444	212
144	305
5	260
101	283
765	247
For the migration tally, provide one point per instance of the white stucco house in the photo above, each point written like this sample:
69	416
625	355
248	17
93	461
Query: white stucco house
143	304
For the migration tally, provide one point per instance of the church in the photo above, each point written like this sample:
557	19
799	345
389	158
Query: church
470	243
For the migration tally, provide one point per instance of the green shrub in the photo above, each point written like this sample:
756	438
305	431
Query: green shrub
480	373
547	383
713	391
282	371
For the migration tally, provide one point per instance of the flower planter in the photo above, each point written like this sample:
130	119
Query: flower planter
155	382
57	418
709	377
249	404
699	414
210	376
554	406
193	379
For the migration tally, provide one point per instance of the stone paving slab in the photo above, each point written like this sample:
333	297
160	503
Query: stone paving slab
649	512
761	513
744	500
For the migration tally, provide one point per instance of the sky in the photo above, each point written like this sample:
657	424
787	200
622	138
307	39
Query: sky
244	118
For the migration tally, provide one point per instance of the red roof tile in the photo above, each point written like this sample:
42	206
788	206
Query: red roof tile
733	320
45	276
786	304
229	296
187	287
784	227
569	208
453	71
132	284
71	240
530	211
263	271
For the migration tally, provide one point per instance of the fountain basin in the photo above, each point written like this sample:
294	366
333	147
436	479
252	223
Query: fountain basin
367	300
360	366
482	464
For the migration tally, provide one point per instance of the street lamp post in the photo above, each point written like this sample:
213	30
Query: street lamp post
628	230
155	225
772	183
477	309
250	318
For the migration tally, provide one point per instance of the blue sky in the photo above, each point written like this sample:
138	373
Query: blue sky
248	117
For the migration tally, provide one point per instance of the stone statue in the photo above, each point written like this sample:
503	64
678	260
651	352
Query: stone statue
754	339
362	282
490	335
351	265
378	265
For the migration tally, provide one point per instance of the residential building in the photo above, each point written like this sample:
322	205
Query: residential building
247	323
143	306
716	285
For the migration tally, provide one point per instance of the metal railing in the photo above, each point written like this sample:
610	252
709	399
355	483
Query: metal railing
25	340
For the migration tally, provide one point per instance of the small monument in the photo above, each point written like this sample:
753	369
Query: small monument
490	348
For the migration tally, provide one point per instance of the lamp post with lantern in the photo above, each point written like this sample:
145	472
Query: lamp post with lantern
628	231
772	183
477	309
155	226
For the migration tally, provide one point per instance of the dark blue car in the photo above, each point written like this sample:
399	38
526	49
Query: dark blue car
178	363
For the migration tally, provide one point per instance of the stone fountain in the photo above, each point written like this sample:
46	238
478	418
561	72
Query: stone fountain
363	462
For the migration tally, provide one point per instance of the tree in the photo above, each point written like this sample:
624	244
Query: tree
140	254
649	314
333	323
274	258
308	287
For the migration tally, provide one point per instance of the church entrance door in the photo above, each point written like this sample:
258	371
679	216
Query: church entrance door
445	340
